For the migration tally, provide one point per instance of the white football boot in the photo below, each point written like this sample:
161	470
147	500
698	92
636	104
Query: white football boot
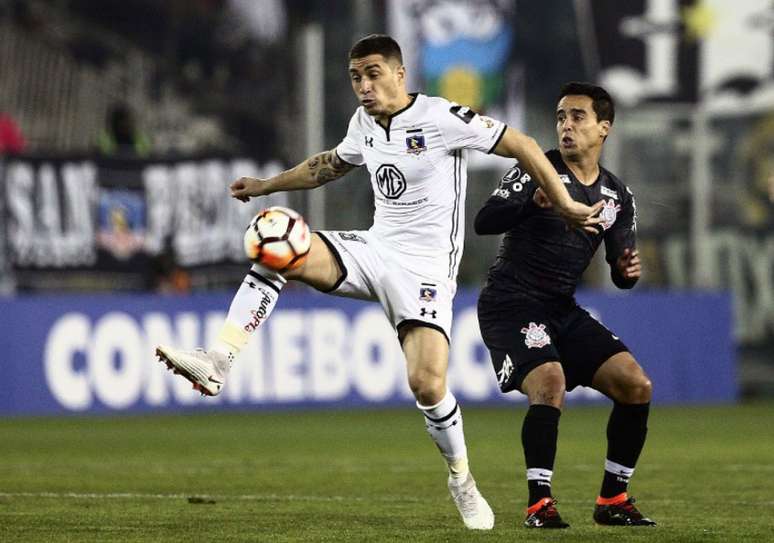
475	512
207	371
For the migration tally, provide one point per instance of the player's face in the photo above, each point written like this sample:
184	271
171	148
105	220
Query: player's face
577	127
379	84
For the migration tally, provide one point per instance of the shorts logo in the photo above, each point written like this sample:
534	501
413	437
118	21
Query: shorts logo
427	294
609	214
536	336
424	313
351	236
505	371
415	144
390	181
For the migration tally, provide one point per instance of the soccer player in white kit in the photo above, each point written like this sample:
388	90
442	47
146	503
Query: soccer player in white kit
414	147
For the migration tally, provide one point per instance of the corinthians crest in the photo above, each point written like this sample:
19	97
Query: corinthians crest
536	336
609	213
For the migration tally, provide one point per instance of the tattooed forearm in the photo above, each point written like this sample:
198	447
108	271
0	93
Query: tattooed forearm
327	166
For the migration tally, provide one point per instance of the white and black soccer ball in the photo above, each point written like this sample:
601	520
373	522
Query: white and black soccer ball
278	238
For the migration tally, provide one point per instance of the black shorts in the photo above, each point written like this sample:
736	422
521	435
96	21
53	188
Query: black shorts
522	333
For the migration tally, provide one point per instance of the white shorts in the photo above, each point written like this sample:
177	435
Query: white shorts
372	271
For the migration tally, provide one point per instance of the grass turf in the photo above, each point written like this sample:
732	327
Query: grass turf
707	474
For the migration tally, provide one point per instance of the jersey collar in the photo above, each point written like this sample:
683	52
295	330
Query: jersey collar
571	174
414	96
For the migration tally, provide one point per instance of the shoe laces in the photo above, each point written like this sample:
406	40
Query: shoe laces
549	509
629	507
467	500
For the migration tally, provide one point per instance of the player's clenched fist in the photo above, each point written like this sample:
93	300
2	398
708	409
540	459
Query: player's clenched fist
629	264
245	187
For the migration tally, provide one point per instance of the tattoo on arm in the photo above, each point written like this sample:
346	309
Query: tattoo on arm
327	166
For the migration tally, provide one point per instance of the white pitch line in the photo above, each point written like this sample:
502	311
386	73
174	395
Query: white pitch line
286	498
224	497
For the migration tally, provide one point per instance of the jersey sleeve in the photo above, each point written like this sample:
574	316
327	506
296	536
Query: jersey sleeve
509	203
621	236
349	150
463	128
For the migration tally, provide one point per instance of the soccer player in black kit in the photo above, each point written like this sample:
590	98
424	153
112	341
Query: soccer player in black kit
540	340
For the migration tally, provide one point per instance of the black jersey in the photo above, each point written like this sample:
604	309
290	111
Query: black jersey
540	255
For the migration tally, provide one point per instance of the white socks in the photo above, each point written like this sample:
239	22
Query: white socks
251	306
541	475
444	424
622	473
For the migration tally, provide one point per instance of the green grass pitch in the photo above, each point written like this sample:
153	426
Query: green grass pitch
707	474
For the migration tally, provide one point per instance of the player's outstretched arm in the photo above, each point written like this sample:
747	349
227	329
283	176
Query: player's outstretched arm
311	173
525	149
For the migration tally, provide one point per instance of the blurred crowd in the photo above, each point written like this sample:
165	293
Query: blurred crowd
219	60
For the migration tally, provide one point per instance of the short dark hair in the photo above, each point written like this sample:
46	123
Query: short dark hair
376	44
601	101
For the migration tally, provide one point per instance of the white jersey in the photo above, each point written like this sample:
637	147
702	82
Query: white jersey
418	168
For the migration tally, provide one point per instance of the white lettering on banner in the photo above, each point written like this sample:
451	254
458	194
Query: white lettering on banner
48	195
52	210
20	180
159	208
189	328
297	356
287	355
69	336
79	181
188	203
198	215
158	330
250	370
328	376
376	356
116	338
51	224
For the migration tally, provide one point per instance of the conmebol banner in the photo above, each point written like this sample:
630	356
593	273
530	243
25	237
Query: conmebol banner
76	354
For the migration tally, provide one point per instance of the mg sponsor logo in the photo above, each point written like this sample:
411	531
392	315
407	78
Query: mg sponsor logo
390	181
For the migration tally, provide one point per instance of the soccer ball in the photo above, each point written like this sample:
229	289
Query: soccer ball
278	238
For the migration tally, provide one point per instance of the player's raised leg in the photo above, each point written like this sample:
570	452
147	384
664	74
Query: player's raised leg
545	387
427	355
251	306
622	379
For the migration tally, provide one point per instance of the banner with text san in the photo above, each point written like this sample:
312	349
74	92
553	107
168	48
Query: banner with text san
106	223
95	353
